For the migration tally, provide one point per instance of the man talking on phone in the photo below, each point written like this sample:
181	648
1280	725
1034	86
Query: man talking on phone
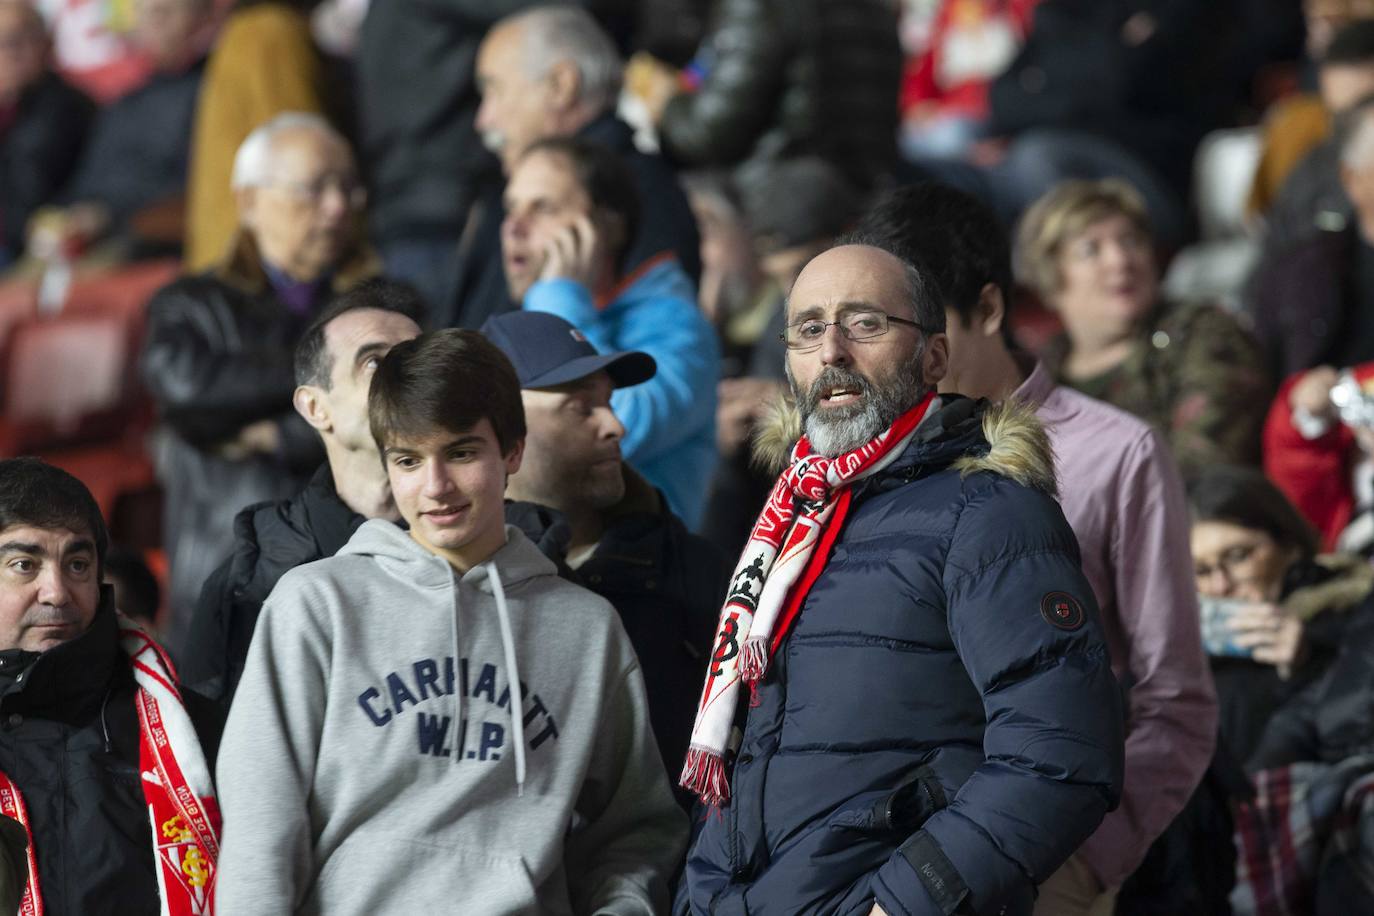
571	211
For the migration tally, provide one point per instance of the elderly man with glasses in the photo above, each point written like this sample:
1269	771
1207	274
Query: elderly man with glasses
217	356
909	706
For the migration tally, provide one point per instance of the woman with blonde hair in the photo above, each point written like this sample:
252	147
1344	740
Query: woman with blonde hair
1087	250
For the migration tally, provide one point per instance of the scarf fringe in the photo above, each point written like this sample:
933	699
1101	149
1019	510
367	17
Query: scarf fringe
753	660
704	774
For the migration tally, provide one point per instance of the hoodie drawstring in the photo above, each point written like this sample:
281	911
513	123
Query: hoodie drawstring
517	699
459	688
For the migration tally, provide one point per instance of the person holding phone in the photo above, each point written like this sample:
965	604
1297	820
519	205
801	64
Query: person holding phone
571	211
1274	611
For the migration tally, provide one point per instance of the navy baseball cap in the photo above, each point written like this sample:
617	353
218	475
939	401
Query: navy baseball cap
548	351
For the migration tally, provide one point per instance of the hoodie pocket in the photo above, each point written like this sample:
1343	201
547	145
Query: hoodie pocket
378	872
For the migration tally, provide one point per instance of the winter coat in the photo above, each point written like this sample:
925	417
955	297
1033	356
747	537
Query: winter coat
666	584
784	78
269	539
217	356
1302	298
666	223
941	727
69	739
670	420
1332	718
1322	594
39	151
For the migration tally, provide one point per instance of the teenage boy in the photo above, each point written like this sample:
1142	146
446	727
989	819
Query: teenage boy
432	721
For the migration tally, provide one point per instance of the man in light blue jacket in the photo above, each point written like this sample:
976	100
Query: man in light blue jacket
571	210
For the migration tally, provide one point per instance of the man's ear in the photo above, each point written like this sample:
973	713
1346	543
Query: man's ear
244	200
517	454
935	362
565	84
310	403
991	311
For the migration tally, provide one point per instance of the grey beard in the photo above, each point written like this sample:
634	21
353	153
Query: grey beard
836	430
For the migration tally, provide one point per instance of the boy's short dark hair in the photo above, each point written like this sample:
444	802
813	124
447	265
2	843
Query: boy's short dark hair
450	380
38	495
953	236
312	363
604	176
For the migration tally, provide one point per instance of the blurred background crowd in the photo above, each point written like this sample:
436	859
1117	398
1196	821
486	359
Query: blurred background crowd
1188	187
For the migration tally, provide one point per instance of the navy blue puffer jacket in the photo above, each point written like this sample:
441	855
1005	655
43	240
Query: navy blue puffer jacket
941	729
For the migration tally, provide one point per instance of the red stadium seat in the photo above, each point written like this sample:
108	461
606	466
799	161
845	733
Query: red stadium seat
65	379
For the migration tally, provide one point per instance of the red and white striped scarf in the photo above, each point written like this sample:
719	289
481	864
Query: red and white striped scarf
784	556
176	784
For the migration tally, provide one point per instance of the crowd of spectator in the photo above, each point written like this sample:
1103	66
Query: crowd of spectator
514	369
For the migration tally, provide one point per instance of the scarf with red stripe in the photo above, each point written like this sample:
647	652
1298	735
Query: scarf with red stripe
785	554
176	784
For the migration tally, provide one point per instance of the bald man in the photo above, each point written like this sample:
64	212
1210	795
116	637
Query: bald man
930	724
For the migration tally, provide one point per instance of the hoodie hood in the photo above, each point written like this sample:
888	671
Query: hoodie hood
970	436
402	556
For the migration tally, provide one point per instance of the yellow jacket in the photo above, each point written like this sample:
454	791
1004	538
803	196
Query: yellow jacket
264	63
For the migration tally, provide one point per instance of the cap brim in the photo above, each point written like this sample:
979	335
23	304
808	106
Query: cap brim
625	369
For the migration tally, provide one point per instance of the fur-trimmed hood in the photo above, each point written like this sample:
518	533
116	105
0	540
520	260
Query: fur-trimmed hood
1013	441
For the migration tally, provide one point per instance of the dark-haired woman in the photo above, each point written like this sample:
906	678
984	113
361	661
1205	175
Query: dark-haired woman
1274	611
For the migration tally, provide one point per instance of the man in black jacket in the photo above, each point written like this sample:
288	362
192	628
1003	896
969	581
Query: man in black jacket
607	528
553	72
334	362
94	737
217	353
43	123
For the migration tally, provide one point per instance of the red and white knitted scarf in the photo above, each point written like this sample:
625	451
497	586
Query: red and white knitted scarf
176	784
784	556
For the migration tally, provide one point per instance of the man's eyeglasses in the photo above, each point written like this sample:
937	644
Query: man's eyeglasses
808	333
313	192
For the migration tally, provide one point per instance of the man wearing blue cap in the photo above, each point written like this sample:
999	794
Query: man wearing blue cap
609	528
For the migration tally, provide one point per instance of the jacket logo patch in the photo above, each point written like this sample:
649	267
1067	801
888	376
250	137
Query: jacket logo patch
1062	610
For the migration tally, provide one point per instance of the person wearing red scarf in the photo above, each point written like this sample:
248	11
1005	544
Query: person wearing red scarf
101	755
909	706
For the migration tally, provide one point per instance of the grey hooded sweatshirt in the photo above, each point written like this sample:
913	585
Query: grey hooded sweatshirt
373	762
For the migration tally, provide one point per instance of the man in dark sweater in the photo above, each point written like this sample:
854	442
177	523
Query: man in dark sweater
552	71
334	360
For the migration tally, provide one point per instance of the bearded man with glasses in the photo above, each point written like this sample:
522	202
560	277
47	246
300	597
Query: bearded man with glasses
930	725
